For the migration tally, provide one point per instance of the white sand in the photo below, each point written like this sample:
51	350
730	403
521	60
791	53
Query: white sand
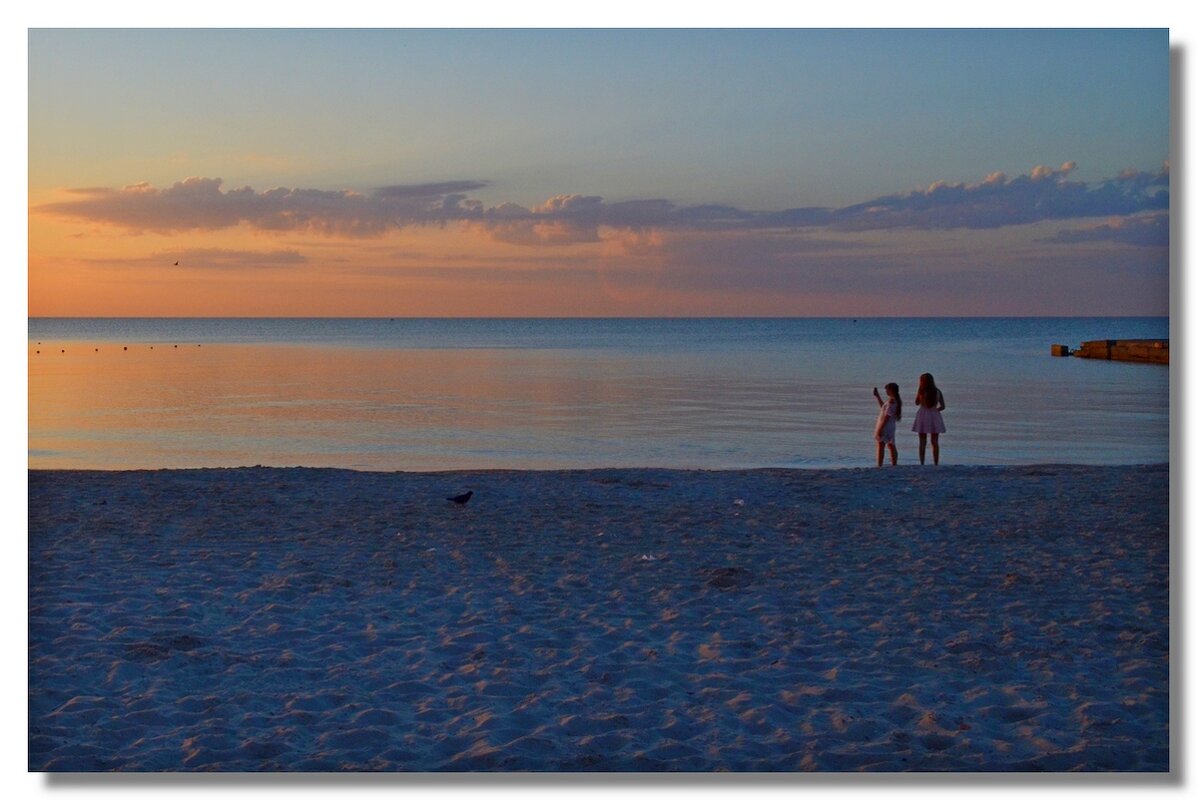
900	619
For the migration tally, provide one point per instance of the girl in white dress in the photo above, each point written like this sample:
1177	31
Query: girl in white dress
890	412
928	420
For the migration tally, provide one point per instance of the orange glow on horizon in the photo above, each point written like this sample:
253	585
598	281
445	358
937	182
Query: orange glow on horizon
83	270
468	269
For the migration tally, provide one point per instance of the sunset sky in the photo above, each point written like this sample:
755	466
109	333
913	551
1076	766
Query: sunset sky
605	173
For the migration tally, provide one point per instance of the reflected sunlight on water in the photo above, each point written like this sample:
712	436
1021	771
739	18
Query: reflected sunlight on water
746	402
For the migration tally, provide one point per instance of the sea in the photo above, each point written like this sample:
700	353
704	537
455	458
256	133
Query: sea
562	393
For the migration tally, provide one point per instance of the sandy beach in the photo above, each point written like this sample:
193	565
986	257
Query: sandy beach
909	619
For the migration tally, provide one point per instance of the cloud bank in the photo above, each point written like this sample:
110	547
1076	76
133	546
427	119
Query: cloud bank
1043	194
211	259
998	201
1150	230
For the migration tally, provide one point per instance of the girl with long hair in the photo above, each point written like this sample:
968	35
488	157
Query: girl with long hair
928	421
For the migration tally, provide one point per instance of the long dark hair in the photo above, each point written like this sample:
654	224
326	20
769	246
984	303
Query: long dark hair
898	402
927	395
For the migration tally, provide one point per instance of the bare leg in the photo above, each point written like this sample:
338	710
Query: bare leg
923	446
881	445
893	454
935	449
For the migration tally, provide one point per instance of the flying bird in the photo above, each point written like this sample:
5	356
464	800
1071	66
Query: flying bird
460	500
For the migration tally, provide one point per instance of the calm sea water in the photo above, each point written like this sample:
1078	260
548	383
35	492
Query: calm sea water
419	394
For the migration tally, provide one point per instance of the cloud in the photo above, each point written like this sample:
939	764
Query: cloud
221	257
571	205
201	204
957	280
1150	230
90	190
212	258
532	232
428	190
997	201
1043	194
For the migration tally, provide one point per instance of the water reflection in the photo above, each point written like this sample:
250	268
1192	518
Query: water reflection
389	408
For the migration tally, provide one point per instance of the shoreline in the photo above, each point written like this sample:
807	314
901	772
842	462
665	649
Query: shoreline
550	470
961	618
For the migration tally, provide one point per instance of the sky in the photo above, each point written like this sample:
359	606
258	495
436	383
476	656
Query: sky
598	172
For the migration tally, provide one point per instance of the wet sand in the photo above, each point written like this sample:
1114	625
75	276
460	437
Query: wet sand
910	619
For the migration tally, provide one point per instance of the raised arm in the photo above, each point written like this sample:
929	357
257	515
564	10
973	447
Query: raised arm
878	397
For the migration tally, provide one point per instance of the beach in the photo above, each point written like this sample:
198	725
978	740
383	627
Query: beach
898	619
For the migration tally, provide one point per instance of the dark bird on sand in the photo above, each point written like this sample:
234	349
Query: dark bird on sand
176	264
460	500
